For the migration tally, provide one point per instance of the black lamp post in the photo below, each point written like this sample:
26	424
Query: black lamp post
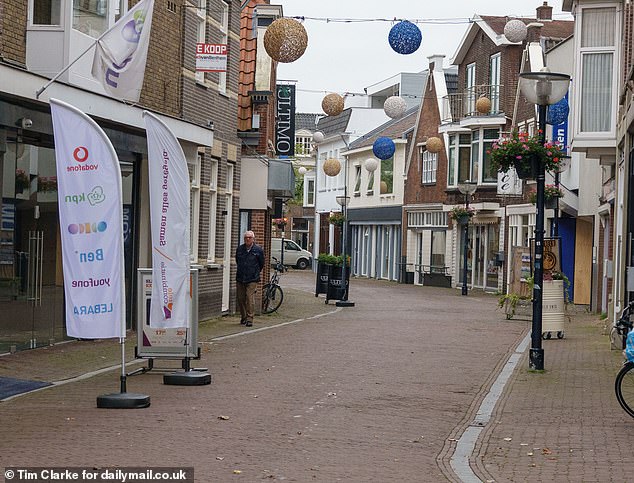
343	202
467	188
541	88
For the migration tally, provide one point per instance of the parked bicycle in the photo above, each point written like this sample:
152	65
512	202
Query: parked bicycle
624	383
273	294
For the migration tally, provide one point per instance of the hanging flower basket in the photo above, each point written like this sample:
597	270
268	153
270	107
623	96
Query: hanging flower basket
336	219
22	180
526	154
551	193
461	215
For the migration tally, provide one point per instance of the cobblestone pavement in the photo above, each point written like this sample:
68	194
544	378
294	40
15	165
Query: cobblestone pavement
377	392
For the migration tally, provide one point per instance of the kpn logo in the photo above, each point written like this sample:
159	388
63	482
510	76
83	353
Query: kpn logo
81	155
93	197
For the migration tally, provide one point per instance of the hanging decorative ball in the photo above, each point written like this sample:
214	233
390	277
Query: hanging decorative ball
285	40
515	31
383	148
332	104
558	112
394	107
302	170
405	37
483	105
332	167
383	187
318	136
434	144
371	164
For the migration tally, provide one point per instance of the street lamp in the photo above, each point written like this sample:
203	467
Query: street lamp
541	88
467	188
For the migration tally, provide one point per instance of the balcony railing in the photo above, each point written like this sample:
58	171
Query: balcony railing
463	104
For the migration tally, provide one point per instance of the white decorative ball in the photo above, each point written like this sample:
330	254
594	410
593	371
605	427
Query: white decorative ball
318	136
515	31
302	170
371	164
332	167
395	107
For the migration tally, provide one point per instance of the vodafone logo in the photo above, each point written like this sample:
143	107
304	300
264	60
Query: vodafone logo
80	154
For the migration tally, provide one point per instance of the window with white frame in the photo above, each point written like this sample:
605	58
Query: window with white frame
387	176
213	209
194	205
303	145
494	80
47	13
201	36
459	159
598	69
488	137
224	31
357	180
309	192
89	16
470	78
370	189
429	162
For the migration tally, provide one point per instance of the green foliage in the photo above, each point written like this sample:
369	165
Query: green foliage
336	219
335	260
509	303
522	148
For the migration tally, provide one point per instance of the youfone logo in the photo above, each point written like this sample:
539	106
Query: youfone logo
80	154
87	228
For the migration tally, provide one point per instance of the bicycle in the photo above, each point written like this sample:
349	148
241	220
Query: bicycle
273	294
624	382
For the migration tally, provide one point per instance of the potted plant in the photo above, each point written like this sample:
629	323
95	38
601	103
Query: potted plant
461	214
524	153
336	219
551	193
22	180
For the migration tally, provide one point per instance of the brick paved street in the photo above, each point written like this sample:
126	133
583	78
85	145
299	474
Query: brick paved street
378	392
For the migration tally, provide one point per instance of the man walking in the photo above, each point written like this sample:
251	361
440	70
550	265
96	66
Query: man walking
250	260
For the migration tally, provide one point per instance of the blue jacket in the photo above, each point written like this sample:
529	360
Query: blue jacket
250	263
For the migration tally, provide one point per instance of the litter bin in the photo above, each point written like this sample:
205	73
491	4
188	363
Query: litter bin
337	290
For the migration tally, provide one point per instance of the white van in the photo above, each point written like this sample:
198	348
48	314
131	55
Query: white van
293	254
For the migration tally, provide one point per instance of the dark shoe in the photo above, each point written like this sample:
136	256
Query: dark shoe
249	323
243	321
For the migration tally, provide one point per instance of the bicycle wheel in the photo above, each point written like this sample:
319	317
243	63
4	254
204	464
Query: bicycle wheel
273	297
624	387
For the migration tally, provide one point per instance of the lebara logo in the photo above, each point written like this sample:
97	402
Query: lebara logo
87	228
80	154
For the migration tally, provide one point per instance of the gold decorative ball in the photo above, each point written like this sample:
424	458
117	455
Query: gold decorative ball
434	144
332	167
332	104
383	187
285	40
483	105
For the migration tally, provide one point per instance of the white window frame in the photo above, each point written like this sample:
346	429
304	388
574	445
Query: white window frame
201	36
470	82
495	63
213	210
358	172
428	166
194	190
307	198
224	31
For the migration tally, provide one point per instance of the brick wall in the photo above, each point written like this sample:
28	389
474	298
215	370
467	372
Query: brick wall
13	31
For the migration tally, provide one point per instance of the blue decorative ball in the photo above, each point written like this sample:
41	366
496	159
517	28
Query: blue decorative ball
558	113
405	37
383	148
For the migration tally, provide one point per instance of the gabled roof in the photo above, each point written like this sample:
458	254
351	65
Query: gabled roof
395	128
335	124
306	120
493	27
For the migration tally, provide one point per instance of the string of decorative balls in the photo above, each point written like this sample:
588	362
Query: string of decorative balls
285	40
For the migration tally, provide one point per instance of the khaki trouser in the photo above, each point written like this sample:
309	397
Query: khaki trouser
245	298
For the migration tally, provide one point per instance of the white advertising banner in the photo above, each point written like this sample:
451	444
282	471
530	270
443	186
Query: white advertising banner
121	53
91	225
169	224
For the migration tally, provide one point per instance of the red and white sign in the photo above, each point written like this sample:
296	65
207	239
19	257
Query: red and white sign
211	57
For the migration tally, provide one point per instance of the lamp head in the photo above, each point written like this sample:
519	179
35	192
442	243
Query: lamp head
544	88
467	187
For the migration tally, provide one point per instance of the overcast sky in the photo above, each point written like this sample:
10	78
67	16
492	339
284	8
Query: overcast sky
346	57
